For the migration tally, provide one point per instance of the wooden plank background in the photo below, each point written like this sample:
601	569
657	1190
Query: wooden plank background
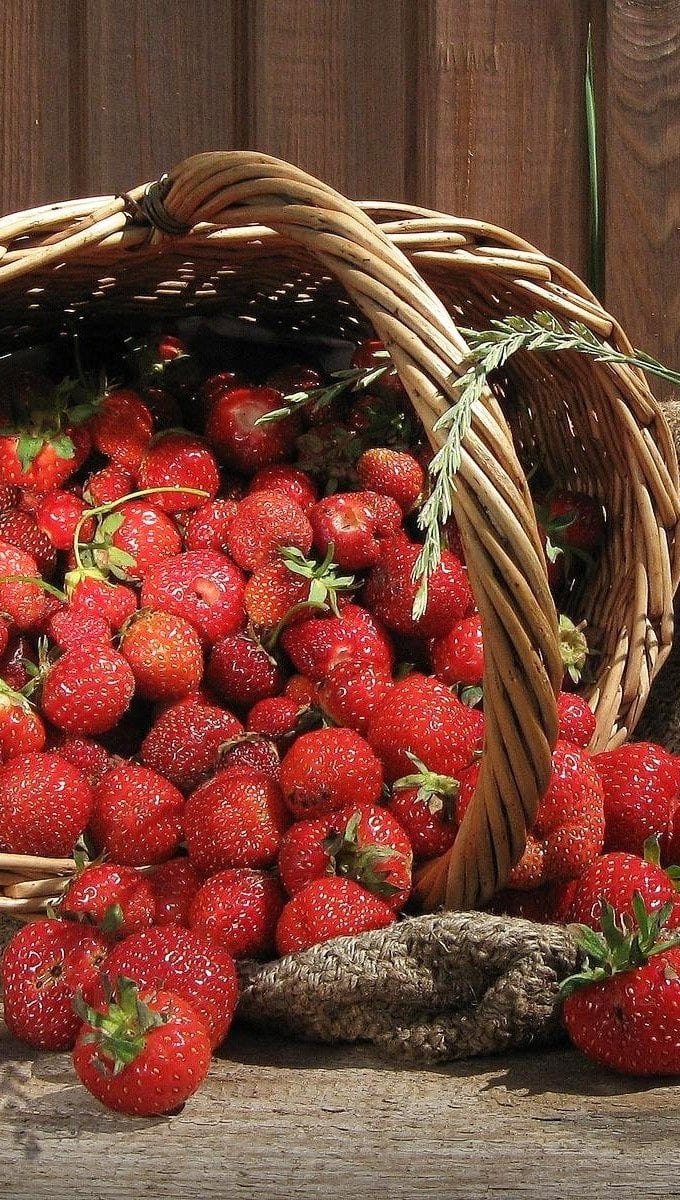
472	106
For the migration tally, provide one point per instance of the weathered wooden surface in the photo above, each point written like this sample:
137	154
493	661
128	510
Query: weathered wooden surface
288	1121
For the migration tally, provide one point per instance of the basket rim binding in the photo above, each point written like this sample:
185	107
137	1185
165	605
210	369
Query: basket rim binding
218	197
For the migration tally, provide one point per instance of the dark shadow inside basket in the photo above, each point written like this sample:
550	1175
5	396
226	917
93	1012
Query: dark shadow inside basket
249	285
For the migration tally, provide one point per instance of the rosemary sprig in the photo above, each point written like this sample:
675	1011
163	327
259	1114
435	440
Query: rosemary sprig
354	379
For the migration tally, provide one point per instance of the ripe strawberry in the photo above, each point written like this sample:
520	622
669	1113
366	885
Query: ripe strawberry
423	718
425	805
206	527
21	729
390	592
183	961
234	430
122	428
137	816
351	693
363	842
184	742
616	877
91	595
253	751
67	628
143	1053
285	589
174	884
573	521
179	460
87	690
42	460
116	899
329	908
18	662
110	484
290	481
140	531
353	526
458	658
45	805
24	603
44	965
276	717
265	522
235	819
242	672
294	377
316	644
328	769
20	529
568	832
577	719
87	755
59	514
239	908
164	653
641	791
623	1007
204	587
392	473
4	634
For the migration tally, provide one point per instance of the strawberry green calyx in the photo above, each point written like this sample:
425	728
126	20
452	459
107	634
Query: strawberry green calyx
622	945
100	550
573	647
439	792
120	1032
369	865
324	582
651	852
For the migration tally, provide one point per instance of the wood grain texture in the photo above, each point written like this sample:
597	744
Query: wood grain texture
293	1122
501	132
643	174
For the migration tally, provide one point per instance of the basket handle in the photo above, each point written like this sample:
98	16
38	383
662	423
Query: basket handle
491	498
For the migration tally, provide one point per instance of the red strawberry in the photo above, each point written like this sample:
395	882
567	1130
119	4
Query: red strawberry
242	672
392	473
329	769
294	377
234	430
206	527
390	592
204	587
42	461
262	525
139	531
164	653
21	729
137	816
239	908
43	967
184	742
285	589
615	878
178	460
4	634
17	663
577	719
253	751
24	603
144	1053
88	689
20	529
316	644
423	718
329	908
425	805
363	842
458	658
59	514
67	627
290	481
122	428
116	899
354	525
235	819
573	521
641	790
84	753
276	717
45	805
183	961
371	353
174	884
108	485
92	595
351	693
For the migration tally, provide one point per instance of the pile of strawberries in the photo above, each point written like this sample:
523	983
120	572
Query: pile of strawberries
216	694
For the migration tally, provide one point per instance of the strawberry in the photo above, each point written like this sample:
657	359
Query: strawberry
423	718
18	665
45	805
85	753
137	815
184	742
59	514
622	1009
390	592
353	526
253	751
294	377
577	719
183	961
425	805
316	644
235	819
42	460
135	538
20	529
265	522
363	842
87	690
641	792
164	653
182	463
371	353
116	899
44	965
458	658
21	729
242	672
239	908
174	884
109	484
203	586
392	473
67	628
328	769
283	591
351	693
4	634
88	593
329	908
238	434
276	717
616	877
122	428
206	527
23	602
572	521
568	832
290	481
145	1052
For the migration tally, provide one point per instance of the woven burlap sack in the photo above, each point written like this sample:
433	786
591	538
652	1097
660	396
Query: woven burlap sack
443	986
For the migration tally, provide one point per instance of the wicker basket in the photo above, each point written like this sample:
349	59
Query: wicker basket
251	236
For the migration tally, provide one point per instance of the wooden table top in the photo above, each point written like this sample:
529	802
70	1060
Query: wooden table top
277	1119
